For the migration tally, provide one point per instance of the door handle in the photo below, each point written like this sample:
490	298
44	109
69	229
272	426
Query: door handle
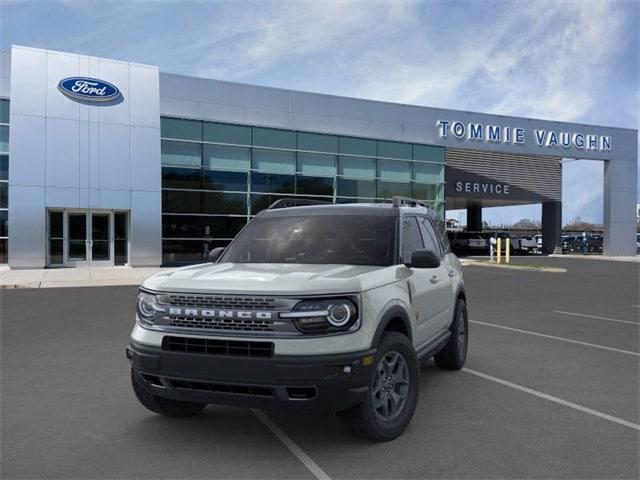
435	279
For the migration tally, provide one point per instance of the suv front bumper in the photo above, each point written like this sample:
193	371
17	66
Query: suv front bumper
313	383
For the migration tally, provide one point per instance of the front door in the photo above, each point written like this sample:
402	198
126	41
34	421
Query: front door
87	238
100	244
77	240
429	287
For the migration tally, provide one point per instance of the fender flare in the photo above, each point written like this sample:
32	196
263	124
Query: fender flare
396	311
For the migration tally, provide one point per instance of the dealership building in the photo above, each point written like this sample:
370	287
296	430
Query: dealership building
107	162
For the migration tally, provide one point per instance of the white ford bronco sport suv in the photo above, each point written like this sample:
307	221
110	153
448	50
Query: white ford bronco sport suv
324	308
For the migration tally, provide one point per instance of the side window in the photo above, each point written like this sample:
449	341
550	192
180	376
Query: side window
411	238
430	239
441	229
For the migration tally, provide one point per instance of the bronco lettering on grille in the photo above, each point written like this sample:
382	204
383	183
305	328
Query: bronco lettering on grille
214	313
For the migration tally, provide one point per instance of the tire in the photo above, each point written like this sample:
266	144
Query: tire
164	406
454	354
396	362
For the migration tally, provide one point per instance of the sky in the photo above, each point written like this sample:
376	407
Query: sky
558	60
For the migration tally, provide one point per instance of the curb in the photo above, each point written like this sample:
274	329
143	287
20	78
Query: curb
477	263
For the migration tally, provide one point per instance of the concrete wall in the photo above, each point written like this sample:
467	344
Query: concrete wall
71	154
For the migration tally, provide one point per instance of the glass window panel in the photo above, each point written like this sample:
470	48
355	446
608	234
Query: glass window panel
428	153
4	111
270	183
214	202
274	161
4	167
4	251
424	191
440	192
182	252
181	202
271	137
317	143
227	158
411	238
217	180
178	128
120	243
77	228
4	195
224	133
356	188
261	202
222	227
396	171
4	223
182	226
4	139
358	146
314	185
357	167
317	164
179	153
55	252
55	225
182	178
390	189
394	150
427	172
429	237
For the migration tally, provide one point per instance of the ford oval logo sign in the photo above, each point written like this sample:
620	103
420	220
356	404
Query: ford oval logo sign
89	89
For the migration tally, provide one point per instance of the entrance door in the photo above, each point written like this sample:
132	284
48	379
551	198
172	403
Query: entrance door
87	238
77	240
100	242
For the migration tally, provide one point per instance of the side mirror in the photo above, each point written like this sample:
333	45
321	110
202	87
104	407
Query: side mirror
215	254
424	259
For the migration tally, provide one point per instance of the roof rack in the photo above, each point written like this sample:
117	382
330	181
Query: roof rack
409	202
295	202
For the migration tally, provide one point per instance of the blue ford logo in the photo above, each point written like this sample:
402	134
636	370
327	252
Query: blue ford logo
89	89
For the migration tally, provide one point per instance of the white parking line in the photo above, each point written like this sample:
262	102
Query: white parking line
292	446
563	339
551	398
609	319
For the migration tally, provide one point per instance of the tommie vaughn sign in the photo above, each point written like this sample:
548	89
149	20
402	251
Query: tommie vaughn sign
88	89
478	132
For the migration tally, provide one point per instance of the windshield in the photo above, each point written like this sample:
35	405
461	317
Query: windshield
322	239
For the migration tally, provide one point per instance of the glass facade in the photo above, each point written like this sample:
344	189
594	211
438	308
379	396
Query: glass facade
4	180
216	176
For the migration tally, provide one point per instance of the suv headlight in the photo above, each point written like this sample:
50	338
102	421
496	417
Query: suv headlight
147	306
329	315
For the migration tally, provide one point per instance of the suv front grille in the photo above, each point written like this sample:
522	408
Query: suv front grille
208	346
225	324
223	302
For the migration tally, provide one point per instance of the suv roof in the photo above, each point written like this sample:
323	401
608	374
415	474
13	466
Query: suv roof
375	209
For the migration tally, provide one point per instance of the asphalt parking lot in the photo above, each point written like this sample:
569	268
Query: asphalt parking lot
551	389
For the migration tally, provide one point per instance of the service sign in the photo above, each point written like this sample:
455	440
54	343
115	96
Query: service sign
88	89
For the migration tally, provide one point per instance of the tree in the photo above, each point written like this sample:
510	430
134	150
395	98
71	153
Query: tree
579	225
526	224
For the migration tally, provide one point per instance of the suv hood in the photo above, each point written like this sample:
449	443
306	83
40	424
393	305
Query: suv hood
271	279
